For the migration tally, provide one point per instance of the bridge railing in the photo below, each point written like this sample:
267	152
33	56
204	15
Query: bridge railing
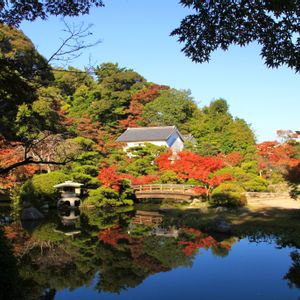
181	188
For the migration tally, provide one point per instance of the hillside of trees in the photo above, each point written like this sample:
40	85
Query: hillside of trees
59	124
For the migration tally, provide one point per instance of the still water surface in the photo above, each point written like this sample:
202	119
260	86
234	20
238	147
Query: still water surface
138	255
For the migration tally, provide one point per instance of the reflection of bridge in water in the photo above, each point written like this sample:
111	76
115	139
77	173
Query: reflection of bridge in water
164	191
153	219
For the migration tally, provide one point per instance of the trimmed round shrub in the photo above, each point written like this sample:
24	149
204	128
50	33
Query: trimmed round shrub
106	197
257	184
229	195
40	188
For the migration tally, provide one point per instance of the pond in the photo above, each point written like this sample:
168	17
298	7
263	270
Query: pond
141	254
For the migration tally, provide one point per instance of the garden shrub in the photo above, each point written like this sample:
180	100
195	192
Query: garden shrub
86	169
40	188
107	197
229	195
169	177
250	167
257	184
239	174
88	181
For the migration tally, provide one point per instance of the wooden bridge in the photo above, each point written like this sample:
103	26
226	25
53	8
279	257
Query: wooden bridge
164	191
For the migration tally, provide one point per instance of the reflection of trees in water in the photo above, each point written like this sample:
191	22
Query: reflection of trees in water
50	261
293	275
10	282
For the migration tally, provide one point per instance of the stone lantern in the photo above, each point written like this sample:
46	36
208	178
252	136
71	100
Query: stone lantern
69	192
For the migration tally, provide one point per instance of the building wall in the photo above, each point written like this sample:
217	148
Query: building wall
174	142
177	145
135	144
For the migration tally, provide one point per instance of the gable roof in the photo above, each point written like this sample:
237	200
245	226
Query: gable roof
143	134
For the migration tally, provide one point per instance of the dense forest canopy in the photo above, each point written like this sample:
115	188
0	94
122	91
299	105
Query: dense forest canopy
67	121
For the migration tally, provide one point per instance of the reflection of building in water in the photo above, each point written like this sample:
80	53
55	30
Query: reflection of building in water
168	232
69	192
153	219
69	219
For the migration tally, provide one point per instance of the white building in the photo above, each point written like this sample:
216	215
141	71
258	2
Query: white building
168	136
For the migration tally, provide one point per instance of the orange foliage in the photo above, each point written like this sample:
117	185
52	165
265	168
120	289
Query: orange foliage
137	102
272	154
232	159
109	178
11	153
146	179
199	240
191	165
17	237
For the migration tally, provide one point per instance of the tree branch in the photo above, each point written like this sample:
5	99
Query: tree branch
72	45
29	161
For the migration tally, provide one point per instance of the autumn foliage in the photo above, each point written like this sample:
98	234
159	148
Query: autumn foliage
137	102
112	236
194	239
274	155
10	153
109	178
189	165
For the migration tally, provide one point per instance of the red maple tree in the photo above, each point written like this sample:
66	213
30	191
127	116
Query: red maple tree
189	165
274	155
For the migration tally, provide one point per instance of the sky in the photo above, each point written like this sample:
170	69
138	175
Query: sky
136	35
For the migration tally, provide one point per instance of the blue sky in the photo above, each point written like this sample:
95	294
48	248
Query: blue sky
135	34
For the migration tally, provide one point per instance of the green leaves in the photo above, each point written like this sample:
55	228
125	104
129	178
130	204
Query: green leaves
172	107
216	131
275	25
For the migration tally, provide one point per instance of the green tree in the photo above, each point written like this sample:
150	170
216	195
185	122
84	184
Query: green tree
40	188
23	70
172	107
70	79
116	87
217	131
142	160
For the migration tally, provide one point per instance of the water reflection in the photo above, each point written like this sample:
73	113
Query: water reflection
107	251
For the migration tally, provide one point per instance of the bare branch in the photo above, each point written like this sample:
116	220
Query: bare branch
72	45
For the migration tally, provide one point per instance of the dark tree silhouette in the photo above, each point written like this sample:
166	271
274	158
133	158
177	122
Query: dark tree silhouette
274	24
13	12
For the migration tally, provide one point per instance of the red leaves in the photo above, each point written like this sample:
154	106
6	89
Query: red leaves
195	240
112	236
11	153
16	235
200	191
136	104
190	165
217	180
109	178
232	159
146	179
198	240
275	155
